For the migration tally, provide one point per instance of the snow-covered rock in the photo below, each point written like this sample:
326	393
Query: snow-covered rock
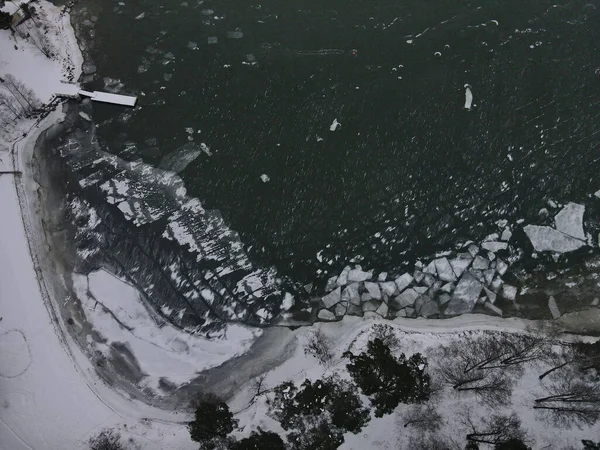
373	289
546	239
350	294
553	307
464	296
444	270
570	220
403	281
359	275
325	314
480	263
494	246
332	298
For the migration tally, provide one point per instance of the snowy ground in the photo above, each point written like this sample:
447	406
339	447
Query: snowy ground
423	336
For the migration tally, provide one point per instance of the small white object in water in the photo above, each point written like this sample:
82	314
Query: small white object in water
265	178
409	41
140	16
85	116
335	125
437	54
468	97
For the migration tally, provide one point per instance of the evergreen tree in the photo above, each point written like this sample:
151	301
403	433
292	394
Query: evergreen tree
5	20
212	420
512	444
263	440
389	380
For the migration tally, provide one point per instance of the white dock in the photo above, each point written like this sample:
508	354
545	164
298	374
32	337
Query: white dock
105	97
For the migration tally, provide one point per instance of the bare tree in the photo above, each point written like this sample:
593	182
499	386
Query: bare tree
477	367
496	429
319	346
428	442
580	355
573	398
423	417
22	94
38	37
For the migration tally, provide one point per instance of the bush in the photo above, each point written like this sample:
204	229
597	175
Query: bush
320	347
106	440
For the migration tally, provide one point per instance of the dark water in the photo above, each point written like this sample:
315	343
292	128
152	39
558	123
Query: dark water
410	170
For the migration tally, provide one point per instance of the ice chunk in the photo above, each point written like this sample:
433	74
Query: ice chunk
264	177
597	194
509	292
553	307
448	287
334	125
459	265
465	295
506	235
493	309
430	269
382	310
237	34
473	250
327	315
369	306
418	276
382	276
570	220
373	289
491	296
429	308
351	294
480	263
331	284
494	246
340	309
389	288
443	299
403	281
359	275
211	40
501	267
343	278
444	270
332	298
546	239
468	97
406	298
488	275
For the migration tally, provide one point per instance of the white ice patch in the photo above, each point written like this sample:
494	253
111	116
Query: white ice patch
334	125
468	97
116	311
265	178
